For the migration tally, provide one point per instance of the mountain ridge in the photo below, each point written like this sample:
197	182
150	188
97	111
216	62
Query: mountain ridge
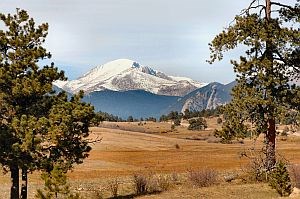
125	74
140	103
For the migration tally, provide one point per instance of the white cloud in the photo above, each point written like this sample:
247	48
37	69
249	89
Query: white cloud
172	35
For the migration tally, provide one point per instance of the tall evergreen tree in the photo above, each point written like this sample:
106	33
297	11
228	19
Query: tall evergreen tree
269	31
37	127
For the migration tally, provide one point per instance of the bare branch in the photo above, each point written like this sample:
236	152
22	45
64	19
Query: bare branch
281	57
282	5
251	7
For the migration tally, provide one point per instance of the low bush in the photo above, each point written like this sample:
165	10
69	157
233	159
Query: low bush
203	178
113	187
150	183
295	175
140	183
256	169
159	183
219	120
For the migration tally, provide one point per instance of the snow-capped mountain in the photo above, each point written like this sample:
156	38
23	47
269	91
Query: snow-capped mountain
124	75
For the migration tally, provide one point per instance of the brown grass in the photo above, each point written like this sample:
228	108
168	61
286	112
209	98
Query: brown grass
122	153
232	191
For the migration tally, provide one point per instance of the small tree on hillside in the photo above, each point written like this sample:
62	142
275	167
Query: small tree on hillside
130	119
163	118
175	117
197	124
264	73
56	185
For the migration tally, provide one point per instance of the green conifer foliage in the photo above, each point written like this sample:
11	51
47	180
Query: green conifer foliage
197	124
269	31
280	179
56	185
38	128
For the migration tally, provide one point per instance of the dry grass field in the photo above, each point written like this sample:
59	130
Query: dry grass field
128	148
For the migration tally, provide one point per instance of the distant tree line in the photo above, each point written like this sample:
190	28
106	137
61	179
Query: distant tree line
104	116
195	118
203	113
173	116
187	114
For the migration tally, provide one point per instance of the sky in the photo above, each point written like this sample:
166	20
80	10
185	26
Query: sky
171	36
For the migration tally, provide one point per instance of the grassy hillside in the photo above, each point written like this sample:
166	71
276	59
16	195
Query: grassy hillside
128	148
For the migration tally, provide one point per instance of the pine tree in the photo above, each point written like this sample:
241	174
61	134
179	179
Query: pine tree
38	128
280	179
269	31
197	124
56	185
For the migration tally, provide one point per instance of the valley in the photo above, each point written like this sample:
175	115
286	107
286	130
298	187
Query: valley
129	148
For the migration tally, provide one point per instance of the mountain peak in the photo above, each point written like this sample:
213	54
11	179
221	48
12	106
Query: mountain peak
126	74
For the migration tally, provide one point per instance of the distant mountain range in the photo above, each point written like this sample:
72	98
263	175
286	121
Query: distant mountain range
125	75
126	88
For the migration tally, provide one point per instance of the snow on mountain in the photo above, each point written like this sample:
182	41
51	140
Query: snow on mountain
193	82
60	83
124	74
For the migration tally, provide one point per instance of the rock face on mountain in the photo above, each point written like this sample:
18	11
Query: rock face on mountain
207	97
125	75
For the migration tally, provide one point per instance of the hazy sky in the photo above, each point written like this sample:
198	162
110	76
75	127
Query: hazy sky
168	35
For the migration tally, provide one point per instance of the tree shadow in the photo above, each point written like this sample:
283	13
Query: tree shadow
129	196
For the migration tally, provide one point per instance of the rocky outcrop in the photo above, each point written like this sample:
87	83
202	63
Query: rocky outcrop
207	97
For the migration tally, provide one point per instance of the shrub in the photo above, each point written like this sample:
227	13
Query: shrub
150	183
203	177
172	127
219	120
255	170
284	133
175	177
159	183
113	187
280	179
140	183
164	182
295	173
177	122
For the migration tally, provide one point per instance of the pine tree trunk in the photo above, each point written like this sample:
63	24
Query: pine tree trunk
14	172
24	183
271	133
270	144
268	9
